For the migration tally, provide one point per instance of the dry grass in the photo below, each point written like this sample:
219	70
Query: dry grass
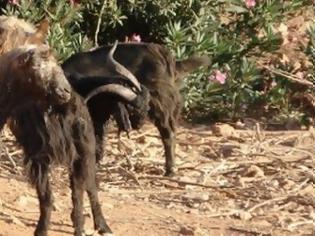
262	181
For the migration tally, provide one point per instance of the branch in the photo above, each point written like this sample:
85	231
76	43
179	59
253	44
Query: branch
99	21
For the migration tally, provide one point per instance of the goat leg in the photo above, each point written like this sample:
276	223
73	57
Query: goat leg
99	138
45	197
168	137
77	187
99	221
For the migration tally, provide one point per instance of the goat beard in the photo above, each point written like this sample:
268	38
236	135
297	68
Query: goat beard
121	115
132	116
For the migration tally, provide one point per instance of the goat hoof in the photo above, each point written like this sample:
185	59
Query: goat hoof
105	230
169	173
79	234
40	233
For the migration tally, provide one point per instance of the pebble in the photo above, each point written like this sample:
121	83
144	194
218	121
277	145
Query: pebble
198	197
185	230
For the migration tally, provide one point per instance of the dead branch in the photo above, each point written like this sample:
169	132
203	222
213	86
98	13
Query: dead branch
290	77
217	188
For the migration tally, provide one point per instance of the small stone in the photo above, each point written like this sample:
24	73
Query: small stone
224	130
244	215
185	230
240	125
198	197
255	171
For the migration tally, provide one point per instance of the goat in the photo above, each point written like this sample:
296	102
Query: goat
35	94
10	26
150	63
156	69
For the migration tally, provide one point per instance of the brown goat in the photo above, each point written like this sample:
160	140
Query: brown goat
35	94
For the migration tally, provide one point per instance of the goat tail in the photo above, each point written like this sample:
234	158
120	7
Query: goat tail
184	67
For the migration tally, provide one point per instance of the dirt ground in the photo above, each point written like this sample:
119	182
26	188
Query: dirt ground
229	182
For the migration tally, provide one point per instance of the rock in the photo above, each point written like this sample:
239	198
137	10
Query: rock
244	215
226	150
255	171
196	196
224	130
239	125
185	230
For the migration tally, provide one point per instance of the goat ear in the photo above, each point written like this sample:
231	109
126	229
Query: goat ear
41	33
25	58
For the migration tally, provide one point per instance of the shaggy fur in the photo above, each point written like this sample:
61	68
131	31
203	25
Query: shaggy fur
149	62
9	26
53	125
15	32
156	69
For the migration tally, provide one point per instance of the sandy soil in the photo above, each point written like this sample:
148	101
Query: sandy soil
229	182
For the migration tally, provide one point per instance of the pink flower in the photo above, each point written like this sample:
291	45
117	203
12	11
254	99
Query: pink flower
13	2
250	3
74	2
218	76
135	38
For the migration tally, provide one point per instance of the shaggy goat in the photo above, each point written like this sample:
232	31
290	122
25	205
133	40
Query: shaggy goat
10	26
156	69
53	125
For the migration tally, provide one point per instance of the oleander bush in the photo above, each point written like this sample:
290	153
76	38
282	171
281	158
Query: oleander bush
260	55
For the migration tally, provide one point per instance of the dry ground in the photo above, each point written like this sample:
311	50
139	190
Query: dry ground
229	182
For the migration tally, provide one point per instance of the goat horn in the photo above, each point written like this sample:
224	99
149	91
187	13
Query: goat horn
118	89
120	69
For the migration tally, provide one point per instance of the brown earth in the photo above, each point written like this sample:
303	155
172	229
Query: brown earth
229	182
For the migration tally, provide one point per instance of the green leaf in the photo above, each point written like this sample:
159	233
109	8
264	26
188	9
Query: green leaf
236	9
